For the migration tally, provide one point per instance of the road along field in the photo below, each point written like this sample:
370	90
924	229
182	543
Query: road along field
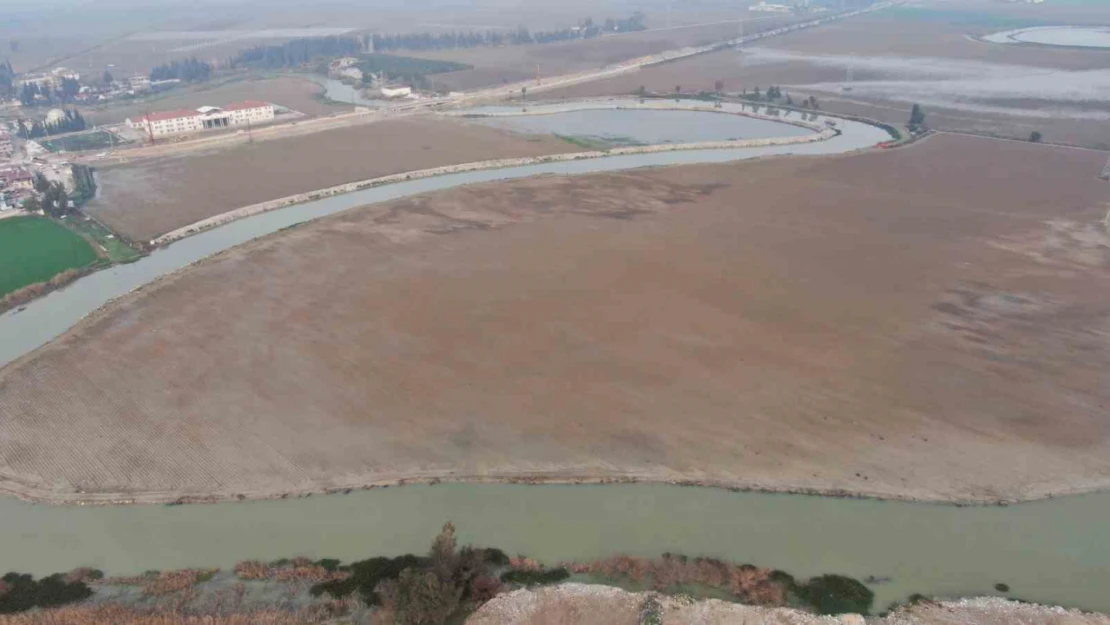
493	66
150	198
899	323
35	249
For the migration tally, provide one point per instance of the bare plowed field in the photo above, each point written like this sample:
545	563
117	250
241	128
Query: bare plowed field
154	197
906	323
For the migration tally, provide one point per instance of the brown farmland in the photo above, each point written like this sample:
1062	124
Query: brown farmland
154	197
901	323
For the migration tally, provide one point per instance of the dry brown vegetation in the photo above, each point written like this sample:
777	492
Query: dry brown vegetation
145	200
120	615
34	291
300	570
901	323
747	583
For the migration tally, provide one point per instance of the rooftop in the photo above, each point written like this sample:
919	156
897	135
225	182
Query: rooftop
164	115
248	104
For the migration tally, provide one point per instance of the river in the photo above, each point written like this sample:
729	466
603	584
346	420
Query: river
1054	551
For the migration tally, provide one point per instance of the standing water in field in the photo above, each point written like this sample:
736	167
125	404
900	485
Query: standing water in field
645	127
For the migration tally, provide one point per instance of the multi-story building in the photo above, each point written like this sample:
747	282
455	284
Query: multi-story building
168	123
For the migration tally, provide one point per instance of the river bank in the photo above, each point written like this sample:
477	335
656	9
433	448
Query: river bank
820	133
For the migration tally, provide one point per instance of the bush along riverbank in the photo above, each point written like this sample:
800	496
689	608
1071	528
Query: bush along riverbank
445	585
451	585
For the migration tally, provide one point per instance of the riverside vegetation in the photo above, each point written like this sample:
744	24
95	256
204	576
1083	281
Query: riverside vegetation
443	586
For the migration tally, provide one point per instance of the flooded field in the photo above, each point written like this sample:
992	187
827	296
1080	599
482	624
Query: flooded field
956	84
644	127
1068	36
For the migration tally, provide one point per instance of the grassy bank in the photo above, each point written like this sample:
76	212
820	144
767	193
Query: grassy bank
35	249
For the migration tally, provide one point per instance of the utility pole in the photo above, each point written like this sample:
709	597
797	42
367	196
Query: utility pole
149	127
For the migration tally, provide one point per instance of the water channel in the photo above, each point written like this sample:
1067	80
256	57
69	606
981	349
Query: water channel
1055	551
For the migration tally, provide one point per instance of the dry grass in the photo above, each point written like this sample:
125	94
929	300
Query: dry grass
119	615
747	583
901	323
301	570
152	198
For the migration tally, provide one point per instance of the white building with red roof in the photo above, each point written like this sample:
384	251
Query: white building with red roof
168	123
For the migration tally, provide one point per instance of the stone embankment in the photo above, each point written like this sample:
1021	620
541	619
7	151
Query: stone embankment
263	207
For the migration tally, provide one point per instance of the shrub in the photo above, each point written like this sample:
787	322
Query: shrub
22	592
330	565
1000	587
531	578
836	594
367	574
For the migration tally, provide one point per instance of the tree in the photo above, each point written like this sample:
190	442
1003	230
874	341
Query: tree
32	205
813	102
419	598
756	95
40	183
836	594
1035	136
789	100
719	86
55	200
107	79
917	118
442	553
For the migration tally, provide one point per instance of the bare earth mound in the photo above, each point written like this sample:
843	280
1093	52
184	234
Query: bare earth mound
580	604
929	322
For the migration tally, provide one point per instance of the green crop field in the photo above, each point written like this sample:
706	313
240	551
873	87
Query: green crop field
35	249
95	140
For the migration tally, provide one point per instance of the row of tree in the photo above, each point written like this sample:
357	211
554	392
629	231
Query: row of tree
7	80
188	70
409	70
72	122
31	94
587	29
297	52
